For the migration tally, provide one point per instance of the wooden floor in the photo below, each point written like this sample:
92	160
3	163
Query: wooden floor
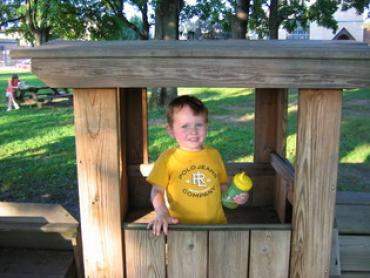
353	223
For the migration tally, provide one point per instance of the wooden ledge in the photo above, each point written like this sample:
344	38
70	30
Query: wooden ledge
227	64
37	226
237	49
244	218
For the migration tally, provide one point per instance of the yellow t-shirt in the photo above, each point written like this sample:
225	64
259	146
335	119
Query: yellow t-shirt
192	182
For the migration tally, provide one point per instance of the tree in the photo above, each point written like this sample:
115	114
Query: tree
114	9
167	16
40	20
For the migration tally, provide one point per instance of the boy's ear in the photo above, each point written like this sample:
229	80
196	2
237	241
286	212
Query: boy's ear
170	131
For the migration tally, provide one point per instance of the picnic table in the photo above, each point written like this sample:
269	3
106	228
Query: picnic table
40	94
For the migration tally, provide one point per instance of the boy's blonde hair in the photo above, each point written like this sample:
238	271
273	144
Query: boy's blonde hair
195	104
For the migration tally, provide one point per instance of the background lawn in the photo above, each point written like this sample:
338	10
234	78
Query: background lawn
37	149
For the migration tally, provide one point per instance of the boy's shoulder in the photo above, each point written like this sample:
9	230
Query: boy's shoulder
171	151
211	150
167	153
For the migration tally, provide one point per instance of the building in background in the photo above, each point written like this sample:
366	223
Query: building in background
351	26
7	42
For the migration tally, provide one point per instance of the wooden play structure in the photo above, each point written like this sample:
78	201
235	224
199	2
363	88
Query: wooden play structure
286	230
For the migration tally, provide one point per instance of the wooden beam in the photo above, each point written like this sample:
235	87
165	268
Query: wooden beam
282	167
136	118
319	113
99	180
270	135
284	184
230	64
207	72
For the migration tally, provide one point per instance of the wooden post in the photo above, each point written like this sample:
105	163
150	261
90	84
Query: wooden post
99	179
136	124
315	182
270	134
134	130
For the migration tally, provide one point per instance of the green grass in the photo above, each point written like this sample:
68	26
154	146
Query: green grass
37	149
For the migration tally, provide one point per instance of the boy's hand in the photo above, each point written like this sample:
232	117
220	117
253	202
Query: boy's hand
161	223
241	198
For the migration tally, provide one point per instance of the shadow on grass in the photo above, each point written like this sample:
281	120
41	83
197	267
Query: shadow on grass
28	123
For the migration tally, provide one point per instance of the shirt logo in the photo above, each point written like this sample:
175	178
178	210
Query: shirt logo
199	179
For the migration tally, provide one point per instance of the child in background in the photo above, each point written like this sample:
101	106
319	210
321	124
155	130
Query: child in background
191	175
13	85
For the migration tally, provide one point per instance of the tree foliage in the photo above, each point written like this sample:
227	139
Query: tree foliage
41	20
266	16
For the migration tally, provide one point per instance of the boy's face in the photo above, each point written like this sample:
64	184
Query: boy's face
189	130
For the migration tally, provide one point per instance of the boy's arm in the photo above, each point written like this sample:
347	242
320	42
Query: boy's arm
163	217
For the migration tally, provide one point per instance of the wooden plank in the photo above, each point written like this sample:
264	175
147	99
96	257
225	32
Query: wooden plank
270	134
137	125
335	265
99	180
11	237
282	167
262	192
269	254
315	181
353	219
78	256
228	254
204	72
355	253
136	133
355	275
145	254
187	253
280	191
32	225
50	213
196	49
35	263
353	198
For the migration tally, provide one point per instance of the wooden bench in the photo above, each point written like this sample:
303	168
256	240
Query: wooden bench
38	239
353	221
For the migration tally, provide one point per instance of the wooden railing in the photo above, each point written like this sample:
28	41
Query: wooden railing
252	251
285	170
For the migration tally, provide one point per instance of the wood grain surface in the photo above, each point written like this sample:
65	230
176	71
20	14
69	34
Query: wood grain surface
99	181
319	114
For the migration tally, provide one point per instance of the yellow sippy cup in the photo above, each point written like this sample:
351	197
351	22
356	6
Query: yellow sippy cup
241	183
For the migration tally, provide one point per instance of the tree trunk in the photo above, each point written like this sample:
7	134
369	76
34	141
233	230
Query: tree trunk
41	36
166	28
273	20
240	21
167	19
145	20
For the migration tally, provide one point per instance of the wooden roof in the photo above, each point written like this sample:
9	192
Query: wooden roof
259	64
